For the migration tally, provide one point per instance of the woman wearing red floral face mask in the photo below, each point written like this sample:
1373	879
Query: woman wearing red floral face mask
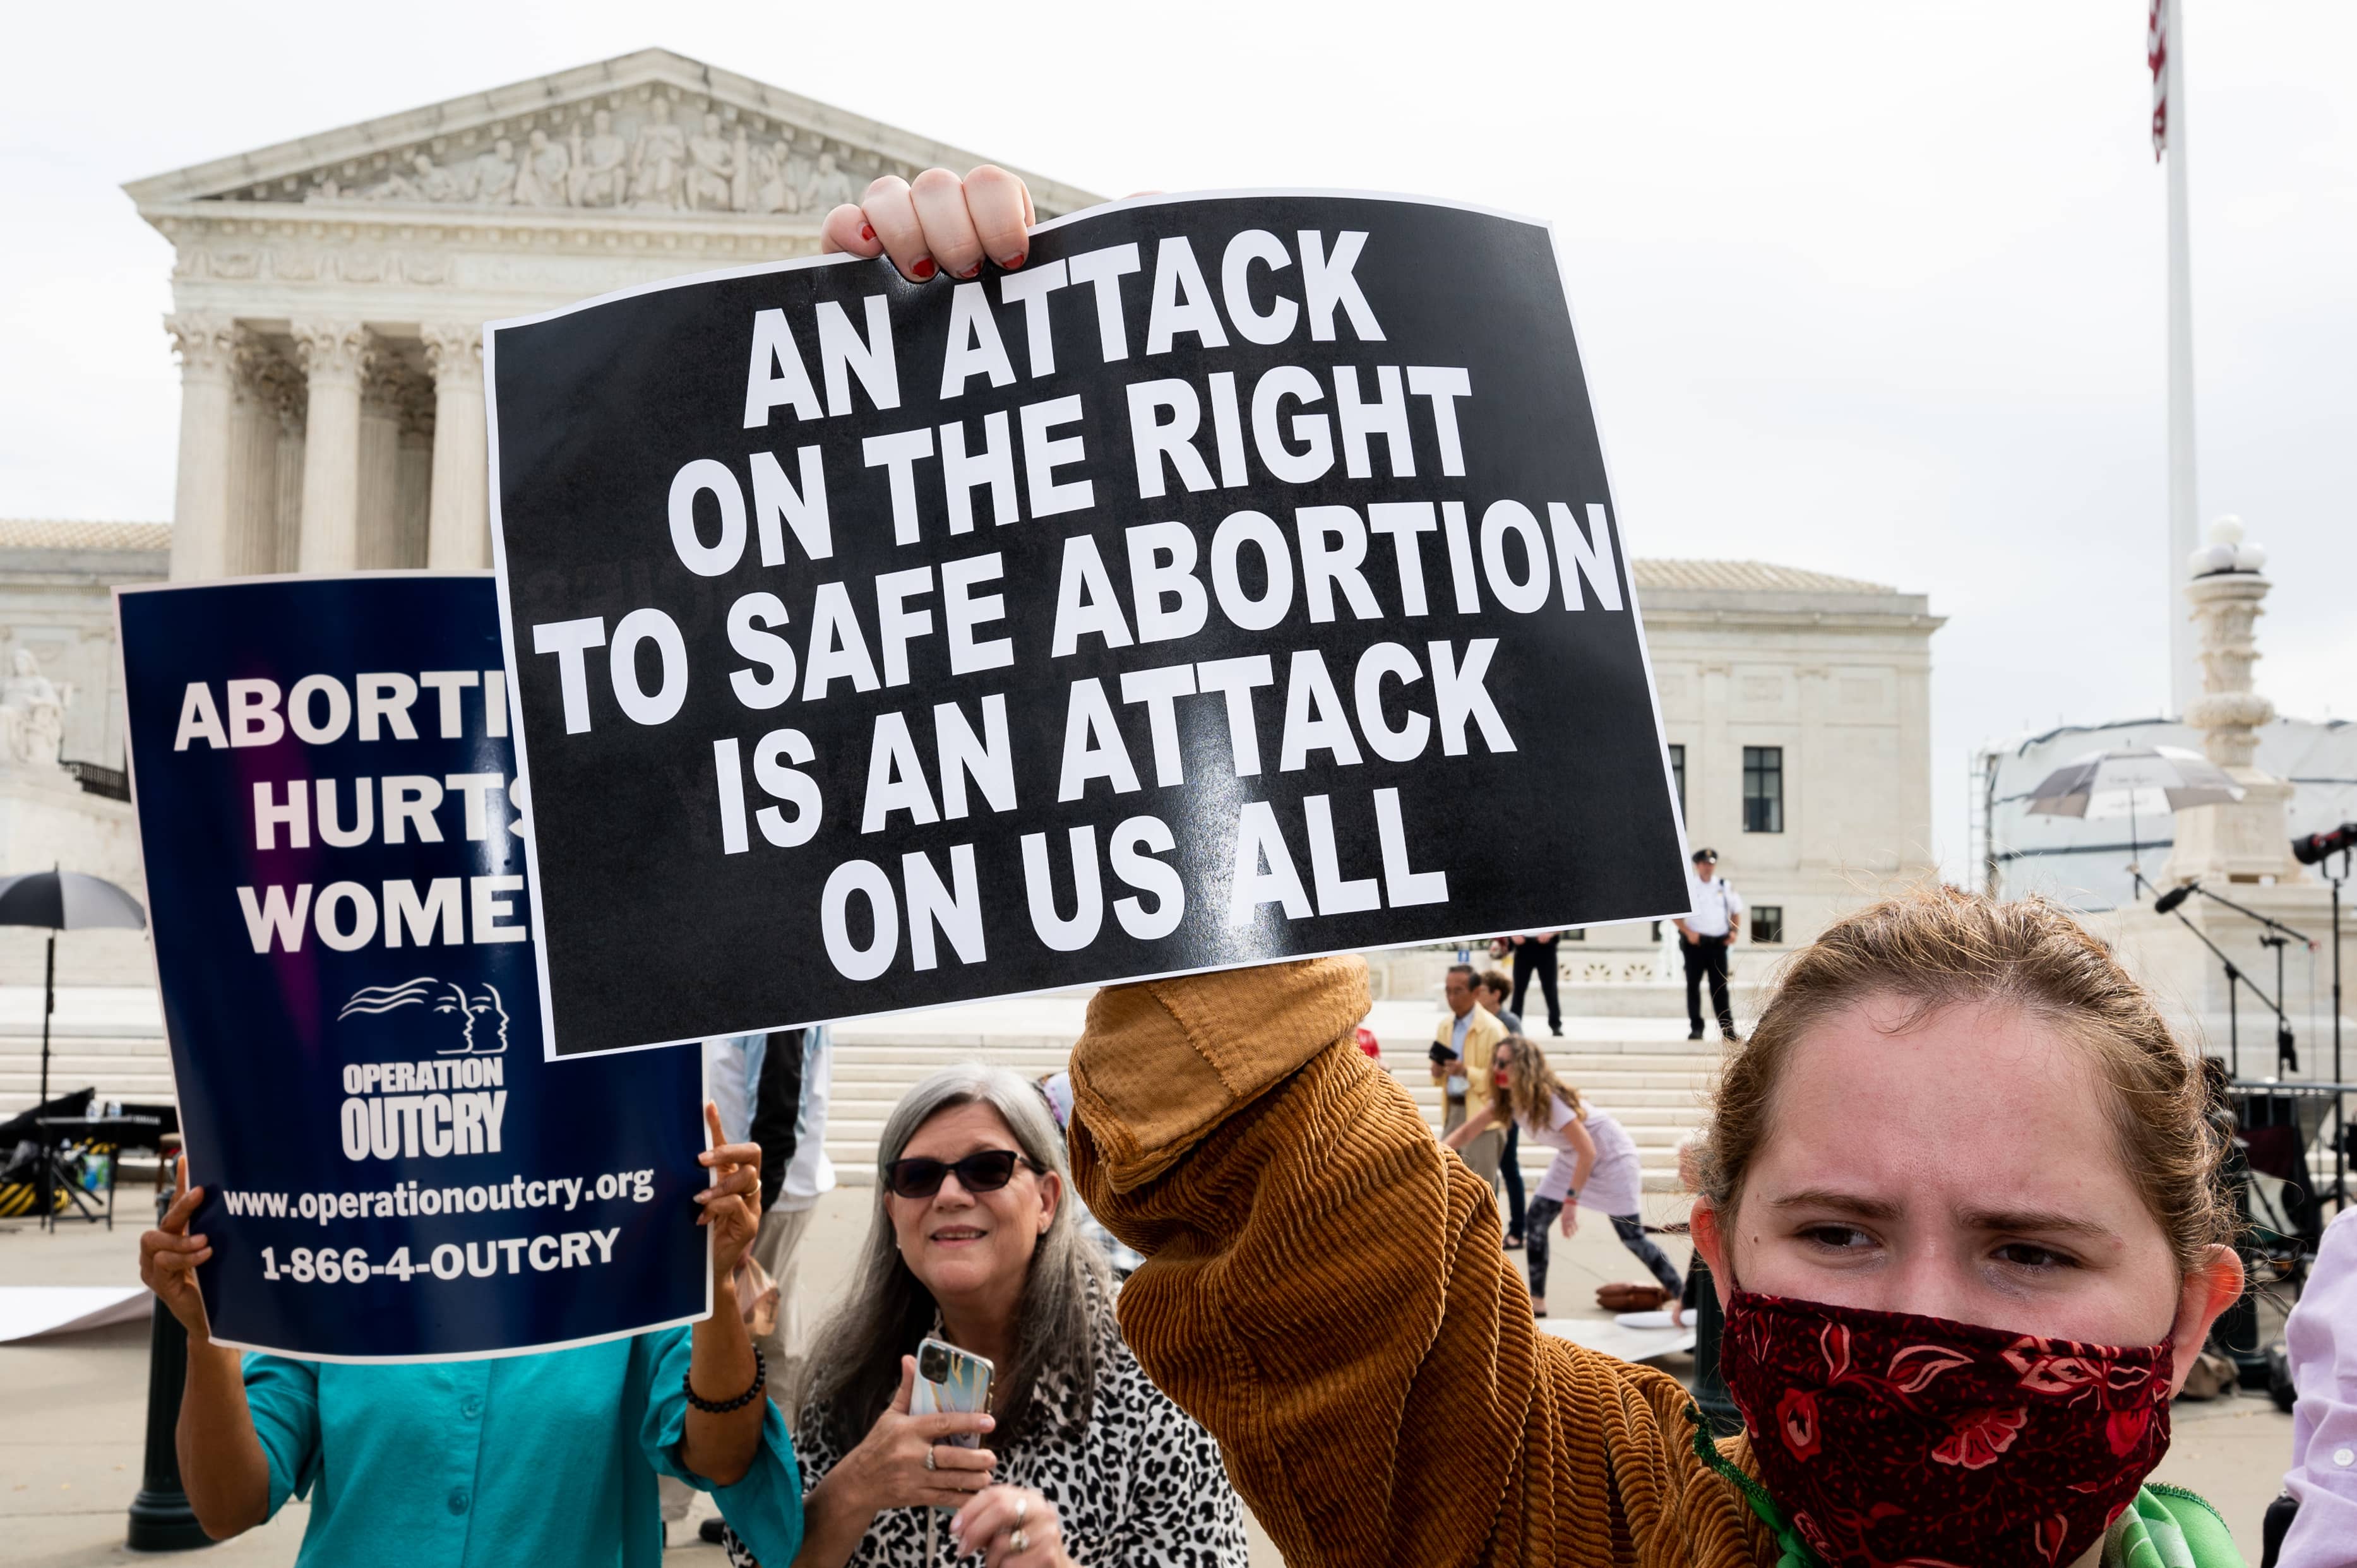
1958	1203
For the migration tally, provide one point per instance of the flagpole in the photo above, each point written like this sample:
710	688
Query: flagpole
2184	528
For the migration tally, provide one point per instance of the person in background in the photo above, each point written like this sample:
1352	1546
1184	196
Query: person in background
1494	988
974	1242
1120	1256
2320	1339
1535	953
796	1081
1595	1166
450	1464
1705	934
1460	1057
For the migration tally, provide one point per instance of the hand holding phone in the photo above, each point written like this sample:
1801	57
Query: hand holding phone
951	1379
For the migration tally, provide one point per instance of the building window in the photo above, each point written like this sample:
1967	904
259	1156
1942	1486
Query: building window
1678	776
1657	930
1579	936
1767	922
1763	789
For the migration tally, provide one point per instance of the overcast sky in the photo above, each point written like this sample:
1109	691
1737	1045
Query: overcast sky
1872	288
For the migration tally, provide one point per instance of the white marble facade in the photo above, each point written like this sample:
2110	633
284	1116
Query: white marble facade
328	292
1833	676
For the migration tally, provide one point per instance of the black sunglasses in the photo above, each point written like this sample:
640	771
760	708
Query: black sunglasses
985	1170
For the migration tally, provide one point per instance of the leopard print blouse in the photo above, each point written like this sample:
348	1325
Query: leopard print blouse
1142	1487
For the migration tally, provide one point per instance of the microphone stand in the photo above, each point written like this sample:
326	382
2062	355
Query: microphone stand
2235	976
2278	936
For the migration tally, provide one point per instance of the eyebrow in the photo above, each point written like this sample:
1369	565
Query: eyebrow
2034	1221
2037	1221
1840	1202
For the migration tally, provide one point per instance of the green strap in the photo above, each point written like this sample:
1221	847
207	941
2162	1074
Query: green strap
1794	1552
2168	1526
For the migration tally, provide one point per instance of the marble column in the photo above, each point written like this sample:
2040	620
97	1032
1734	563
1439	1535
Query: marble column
2247	840
458	529
414	474
207	347
266	390
379	476
289	543
335	355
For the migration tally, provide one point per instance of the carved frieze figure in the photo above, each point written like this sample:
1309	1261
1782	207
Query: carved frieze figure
829	187
426	181
495	175
32	714
658	160
769	179
597	172
712	169
540	182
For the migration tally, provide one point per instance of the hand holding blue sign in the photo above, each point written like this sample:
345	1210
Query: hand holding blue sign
169	1257
732	1204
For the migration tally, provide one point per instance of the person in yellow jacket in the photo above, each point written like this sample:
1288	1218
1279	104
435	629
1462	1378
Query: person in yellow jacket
1959	1200
1462	1047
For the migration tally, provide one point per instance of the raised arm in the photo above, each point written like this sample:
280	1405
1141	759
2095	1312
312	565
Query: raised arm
1326	1291
1473	1126
222	1463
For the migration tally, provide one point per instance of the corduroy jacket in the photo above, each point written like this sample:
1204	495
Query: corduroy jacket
1327	1295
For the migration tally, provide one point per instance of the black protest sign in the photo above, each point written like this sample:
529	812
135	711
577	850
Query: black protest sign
1237	580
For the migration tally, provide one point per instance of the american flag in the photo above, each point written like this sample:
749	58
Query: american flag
2155	54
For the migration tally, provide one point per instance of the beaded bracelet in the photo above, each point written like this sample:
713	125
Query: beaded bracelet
722	1407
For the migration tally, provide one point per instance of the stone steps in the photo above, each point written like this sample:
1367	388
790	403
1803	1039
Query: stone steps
1654	1086
121	1060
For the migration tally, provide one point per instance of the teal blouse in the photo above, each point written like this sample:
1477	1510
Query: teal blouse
547	1459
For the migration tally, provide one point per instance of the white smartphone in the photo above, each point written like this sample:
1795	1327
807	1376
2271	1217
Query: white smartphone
951	1379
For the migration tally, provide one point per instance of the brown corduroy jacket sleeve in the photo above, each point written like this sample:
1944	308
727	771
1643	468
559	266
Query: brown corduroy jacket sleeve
1327	1295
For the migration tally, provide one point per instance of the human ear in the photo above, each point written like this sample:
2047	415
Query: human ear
1710	1243
1052	1193
2210	1286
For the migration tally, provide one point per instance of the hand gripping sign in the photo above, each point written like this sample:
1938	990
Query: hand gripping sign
336	873
1237	580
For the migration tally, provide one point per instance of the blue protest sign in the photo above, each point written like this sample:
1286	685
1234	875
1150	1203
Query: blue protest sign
336	882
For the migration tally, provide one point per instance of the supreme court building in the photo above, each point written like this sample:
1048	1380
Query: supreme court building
328	293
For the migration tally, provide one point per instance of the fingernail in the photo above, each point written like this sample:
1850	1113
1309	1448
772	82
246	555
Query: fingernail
923	269
1015	261
989	1423
972	272
867	230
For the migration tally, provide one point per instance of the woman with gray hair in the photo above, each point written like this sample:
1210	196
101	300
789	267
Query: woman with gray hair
974	1242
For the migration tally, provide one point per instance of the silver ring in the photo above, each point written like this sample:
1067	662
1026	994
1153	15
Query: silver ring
1019	1542
929	1463
1022	1506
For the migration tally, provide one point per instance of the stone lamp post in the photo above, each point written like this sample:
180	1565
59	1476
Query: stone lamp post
2249	840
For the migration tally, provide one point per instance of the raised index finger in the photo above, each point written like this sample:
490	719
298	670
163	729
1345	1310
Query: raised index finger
175	1219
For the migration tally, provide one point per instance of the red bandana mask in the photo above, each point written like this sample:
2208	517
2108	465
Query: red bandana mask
1893	1441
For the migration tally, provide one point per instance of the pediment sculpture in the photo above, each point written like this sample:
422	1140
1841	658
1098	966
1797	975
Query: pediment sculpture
645	153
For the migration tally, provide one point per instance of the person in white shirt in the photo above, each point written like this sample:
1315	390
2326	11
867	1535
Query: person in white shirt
1703	937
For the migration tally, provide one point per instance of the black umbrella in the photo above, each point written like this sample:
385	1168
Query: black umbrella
63	901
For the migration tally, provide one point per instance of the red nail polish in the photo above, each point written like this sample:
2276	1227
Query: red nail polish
923	269
1015	261
972	272
867	230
